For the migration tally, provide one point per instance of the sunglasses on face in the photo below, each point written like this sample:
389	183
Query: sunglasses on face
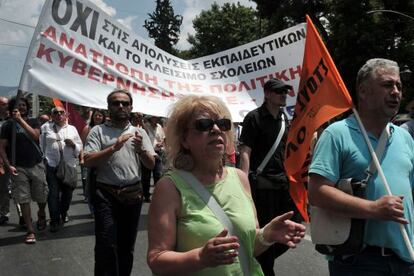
208	124
117	103
58	112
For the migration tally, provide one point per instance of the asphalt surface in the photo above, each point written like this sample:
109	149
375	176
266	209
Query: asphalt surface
70	251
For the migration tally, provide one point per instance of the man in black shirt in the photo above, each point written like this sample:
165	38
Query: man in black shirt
28	172
271	192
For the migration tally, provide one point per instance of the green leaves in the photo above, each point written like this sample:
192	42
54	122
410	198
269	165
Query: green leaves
164	26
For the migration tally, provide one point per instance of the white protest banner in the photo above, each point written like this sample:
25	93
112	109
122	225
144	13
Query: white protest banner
79	54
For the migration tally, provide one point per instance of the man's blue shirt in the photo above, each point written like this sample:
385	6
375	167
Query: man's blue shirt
341	152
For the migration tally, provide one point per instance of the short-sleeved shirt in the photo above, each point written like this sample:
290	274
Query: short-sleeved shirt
259	132
27	154
341	152
122	168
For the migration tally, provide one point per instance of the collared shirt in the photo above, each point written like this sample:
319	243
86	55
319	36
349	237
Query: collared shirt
341	152
49	143
259	132
122	168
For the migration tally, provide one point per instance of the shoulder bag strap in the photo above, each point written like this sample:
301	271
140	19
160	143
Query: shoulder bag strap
273	148
32	141
379	151
211	202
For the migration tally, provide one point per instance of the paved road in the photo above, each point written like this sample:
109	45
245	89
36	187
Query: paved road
70	251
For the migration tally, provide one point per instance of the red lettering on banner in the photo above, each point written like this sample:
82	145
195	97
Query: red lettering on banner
137	88
136	74
79	67
108	61
81	50
45	52
50	33
63	59
107	78
123	84
122	68
93	73
95	55
63	41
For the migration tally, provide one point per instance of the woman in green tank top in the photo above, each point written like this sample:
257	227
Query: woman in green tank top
185	237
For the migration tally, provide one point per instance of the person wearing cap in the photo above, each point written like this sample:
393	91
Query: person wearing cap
261	127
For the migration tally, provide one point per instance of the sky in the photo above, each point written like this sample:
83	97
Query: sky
15	38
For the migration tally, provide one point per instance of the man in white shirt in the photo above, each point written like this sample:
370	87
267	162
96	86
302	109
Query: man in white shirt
58	135
157	136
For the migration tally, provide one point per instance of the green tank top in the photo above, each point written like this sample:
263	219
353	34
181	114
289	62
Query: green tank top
196	223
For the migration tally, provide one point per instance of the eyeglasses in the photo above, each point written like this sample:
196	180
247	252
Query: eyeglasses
56	112
208	124
117	103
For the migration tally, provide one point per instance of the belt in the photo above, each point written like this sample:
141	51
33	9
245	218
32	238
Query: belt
377	250
114	187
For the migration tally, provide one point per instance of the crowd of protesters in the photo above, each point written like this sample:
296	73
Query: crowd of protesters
195	156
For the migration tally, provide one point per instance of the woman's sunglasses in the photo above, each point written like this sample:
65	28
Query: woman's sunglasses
208	124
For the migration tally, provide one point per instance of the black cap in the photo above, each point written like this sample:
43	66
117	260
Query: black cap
274	84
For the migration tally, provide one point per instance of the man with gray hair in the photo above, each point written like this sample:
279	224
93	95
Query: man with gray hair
341	153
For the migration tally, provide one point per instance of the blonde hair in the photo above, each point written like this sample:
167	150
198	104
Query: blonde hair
182	114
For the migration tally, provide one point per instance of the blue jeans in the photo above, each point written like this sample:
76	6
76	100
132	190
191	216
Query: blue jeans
116	227
59	197
369	264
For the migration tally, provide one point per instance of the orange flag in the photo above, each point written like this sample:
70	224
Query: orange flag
57	102
322	95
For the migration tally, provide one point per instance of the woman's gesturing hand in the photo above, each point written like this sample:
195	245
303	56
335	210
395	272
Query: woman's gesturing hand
284	231
220	250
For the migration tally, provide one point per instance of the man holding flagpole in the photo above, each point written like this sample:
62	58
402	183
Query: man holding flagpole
342	153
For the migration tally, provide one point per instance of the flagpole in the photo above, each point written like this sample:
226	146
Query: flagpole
383	179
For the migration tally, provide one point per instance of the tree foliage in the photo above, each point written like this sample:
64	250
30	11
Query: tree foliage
221	28
352	32
164	26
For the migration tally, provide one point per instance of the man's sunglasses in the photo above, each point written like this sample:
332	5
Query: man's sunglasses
208	124
117	103
58	112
